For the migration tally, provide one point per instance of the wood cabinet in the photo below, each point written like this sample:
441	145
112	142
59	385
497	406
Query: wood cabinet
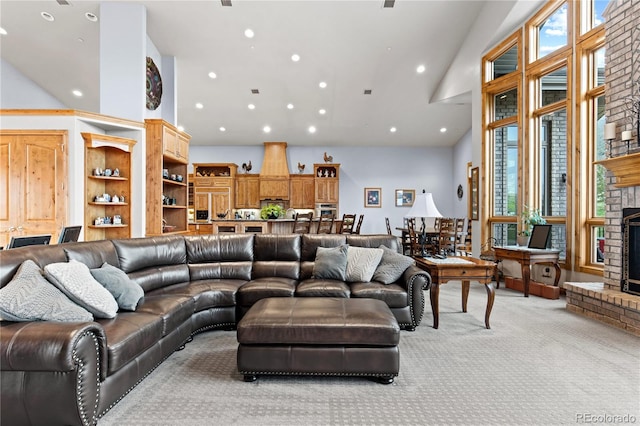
167	195
33	176
327	183
302	191
247	191
107	186
213	189
274	188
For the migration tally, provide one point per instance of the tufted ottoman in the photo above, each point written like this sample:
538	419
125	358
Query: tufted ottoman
319	336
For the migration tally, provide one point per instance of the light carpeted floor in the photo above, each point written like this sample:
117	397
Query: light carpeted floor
539	364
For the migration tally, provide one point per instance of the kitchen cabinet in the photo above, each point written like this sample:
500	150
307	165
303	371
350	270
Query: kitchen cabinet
327	183
247	194
302	191
274	188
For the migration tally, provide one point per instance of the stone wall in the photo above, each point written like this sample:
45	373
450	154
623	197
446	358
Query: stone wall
622	80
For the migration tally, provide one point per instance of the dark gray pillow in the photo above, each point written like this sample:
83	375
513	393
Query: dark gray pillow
127	292
30	297
392	266
331	263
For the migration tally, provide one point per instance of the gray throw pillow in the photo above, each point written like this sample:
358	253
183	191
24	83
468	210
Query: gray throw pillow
126	292
362	263
331	263
75	280
30	297
392	266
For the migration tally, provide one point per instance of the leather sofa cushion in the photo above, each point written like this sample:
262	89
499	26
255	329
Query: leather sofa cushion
206	293
263	288
219	248
311	242
221	270
373	241
319	321
141	253
276	269
160	276
392	294
322	288
94	254
129	334
174	310
41	255
270	247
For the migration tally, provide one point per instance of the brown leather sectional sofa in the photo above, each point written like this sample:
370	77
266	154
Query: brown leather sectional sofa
72	373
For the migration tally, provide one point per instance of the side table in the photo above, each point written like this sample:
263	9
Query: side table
526	257
458	268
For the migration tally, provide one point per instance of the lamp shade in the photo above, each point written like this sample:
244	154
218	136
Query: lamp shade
424	206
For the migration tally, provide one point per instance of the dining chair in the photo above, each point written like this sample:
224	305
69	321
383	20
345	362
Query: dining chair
348	220
325	224
302	223
359	225
463	243
386	221
412	246
447	236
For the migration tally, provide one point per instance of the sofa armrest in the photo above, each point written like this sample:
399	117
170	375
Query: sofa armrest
51	372
415	281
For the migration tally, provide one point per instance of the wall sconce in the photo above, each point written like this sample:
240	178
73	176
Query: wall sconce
610	134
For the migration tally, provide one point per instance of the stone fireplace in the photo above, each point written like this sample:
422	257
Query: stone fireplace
606	301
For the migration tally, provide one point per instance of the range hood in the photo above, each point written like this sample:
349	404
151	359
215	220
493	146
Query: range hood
274	175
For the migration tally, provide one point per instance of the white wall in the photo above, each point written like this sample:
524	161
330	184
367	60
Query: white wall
19	92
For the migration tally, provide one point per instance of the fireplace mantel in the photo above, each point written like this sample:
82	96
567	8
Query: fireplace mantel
626	169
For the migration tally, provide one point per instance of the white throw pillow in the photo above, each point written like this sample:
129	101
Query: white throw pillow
75	280
362	263
30	297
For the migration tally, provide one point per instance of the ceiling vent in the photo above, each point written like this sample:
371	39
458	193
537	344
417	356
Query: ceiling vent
255	91
63	2
226	3
389	3
367	91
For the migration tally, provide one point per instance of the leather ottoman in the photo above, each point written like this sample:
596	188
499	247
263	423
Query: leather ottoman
319	336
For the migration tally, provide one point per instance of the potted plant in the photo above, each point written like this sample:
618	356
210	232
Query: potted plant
271	211
528	218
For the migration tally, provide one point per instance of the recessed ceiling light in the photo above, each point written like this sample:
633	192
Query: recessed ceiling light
322	111
222	129
199	105
181	128
80	40
251	106
312	129
443	129
3	31
420	69
289	106
91	17
77	93
248	33
295	57
266	129
47	16
322	84
212	75
393	130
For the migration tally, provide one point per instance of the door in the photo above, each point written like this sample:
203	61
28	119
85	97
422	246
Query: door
33	170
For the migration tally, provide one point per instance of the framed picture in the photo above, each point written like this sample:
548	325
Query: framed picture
373	197
475	194
405	197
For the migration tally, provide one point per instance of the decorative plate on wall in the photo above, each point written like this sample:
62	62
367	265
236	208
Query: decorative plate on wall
460	191
154	85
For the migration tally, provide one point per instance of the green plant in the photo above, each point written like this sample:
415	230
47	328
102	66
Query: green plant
271	210
528	218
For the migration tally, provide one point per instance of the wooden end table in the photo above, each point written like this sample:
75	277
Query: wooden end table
458	268
526	257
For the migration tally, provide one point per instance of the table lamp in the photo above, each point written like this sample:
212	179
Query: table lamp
424	207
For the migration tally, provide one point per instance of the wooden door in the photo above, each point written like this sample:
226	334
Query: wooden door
220	202
33	171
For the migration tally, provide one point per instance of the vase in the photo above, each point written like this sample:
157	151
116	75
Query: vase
523	240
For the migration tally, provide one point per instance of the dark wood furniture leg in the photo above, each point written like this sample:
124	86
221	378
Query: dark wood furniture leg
491	295
526	275
435	297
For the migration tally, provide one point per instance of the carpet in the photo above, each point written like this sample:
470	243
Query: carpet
538	365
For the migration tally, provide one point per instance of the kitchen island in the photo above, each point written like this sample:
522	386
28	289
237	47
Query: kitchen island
271	226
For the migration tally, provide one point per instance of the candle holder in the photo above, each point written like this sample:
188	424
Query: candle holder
610	135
